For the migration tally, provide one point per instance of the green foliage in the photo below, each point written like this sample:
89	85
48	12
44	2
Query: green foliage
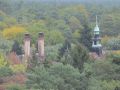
19	68
52	52
59	20
95	84
16	48
113	44
5	71
33	62
74	24
110	85
86	36
109	23
5	45
6	20
55	37
67	58
79	55
39	78
57	77
103	69
66	46
15	87
103	75
3	62
52	37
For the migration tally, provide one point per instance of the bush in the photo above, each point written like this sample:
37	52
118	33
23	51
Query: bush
3	62
15	87
18	68
5	71
113	43
5	45
115	55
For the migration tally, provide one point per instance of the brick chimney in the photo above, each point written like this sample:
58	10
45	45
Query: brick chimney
41	46
27	45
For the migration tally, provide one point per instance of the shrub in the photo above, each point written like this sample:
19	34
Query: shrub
5	71
5	45
15	87
115	56
110	85
18	68
112	43
3	62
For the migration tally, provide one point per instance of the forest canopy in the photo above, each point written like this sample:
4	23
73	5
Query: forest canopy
68	31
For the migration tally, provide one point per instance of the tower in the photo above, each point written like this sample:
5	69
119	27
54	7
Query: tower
96	43
27	46
41	46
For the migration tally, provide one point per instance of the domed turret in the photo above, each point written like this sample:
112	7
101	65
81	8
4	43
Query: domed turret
97	47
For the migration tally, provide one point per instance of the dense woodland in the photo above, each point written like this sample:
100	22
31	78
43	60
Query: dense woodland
68	27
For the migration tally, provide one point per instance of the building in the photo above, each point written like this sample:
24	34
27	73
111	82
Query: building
96	41
27	47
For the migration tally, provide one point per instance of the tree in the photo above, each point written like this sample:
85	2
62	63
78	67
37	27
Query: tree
86	37
74	24
56	77
67	58
16	48
5	45
3	62
13	32
113	43
52	52
79	55
66	46
33	62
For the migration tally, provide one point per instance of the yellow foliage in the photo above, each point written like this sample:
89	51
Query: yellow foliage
13	32
3	63
105	39
76	34
18	68
111	85
117	52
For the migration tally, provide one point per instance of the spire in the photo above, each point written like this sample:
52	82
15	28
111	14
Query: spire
96	21
96	27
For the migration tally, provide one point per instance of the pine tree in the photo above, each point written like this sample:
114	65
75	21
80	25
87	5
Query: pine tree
80	56
16	48
86	37
66	46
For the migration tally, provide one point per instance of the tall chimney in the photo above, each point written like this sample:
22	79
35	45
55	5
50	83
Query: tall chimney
27	46
41	46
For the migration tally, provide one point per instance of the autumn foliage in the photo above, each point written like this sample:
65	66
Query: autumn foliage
13	32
